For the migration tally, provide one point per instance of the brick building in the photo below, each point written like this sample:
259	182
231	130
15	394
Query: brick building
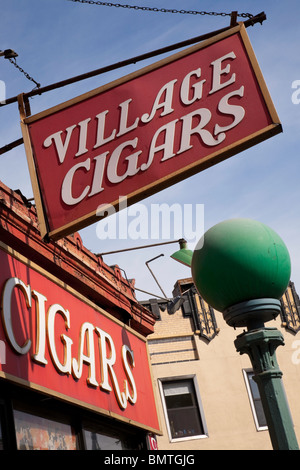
74	367
206	396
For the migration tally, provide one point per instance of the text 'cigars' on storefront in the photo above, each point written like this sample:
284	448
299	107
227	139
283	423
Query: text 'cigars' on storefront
74	366
64	344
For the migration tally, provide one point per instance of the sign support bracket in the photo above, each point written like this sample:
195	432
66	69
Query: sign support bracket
233	20
24	106
260	18
25	111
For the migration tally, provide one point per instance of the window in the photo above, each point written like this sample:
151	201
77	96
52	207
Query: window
1	437
30	420
97	441
255	401
105	437
37	433
4	424
182	409
101	440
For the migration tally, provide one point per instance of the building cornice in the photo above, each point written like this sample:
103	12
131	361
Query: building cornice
69	260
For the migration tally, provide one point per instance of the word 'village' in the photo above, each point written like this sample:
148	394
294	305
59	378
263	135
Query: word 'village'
190	90
87	365
147	131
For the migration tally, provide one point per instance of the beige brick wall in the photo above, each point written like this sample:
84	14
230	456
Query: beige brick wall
176	351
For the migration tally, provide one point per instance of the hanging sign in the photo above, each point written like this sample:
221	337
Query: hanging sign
146	131
58	342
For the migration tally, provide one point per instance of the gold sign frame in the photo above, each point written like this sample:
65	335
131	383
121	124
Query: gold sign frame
164	182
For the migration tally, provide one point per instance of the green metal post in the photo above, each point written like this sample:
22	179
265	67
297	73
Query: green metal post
242	270
260	345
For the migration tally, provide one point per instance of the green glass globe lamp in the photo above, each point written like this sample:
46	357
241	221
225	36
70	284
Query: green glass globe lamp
242	268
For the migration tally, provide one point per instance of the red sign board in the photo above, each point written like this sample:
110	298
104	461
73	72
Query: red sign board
152	442
147	131
60	343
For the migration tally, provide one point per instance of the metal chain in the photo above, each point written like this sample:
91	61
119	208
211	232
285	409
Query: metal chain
161	10
14	62
132	7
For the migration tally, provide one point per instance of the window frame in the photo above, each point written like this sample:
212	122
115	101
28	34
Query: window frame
16	398
193	379
251	400
57	426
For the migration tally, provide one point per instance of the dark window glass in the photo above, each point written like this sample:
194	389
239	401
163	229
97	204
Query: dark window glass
38	433
182	408
97	441
99	437
1	436
260	415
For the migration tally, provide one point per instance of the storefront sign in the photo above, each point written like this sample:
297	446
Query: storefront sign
61	344
152	442
147	131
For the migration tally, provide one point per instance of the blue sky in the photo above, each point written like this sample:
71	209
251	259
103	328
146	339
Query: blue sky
58	39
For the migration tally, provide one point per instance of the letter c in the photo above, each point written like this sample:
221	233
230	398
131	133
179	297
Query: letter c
66	188
6	312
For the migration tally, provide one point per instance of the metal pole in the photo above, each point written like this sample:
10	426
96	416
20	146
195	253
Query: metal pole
141	247
147	264
250	22
260	345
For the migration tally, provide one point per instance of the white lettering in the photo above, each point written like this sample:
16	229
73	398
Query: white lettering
166	105
60	147
188	130
123	128
166	214
296	94
127	353
123	217
185	88
108	225
237	112
64	367
66	189
115	158
296	354
8	290
98	174
82	137
48	332
218	71
101	140
86	336
138	227
166	146
196	129
107	363
40	302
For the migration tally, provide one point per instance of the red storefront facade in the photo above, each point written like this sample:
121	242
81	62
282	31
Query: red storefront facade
74	369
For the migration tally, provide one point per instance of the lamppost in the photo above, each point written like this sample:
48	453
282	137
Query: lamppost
242	270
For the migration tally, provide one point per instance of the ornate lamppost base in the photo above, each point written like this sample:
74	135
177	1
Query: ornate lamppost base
240	262
260	344
252	313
